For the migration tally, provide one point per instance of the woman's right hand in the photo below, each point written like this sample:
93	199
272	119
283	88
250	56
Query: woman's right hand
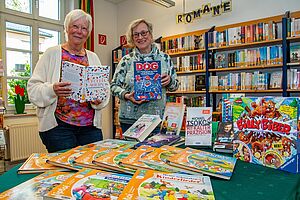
130	97
62	89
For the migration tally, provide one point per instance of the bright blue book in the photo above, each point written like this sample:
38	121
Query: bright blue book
147	80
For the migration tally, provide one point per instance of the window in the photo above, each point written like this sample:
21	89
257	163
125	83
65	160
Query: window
31	26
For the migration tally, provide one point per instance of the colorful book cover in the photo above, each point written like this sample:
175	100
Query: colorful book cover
204	162
224	138
115	143
221	60
133	159
159	140
143	127
149	184
88	83
266	131
36	187
198	126
172	120
147	80
90	184
36	163
157	160
111	160
67	158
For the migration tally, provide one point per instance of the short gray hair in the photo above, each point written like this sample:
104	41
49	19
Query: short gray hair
75	15
134	24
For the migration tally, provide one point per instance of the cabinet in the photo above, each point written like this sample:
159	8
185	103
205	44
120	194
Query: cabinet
251	57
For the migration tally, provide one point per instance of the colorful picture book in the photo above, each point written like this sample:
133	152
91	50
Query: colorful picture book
142	128
276	80
88	83
198	129
204	162
224	138
266	131
159	140
147	80
36	163
172	120
90	184
36	187
149	184
115	143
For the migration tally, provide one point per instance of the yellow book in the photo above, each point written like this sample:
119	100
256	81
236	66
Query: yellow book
149	184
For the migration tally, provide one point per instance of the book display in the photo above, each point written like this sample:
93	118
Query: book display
224	138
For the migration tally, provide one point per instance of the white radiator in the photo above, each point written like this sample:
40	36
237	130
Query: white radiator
24	140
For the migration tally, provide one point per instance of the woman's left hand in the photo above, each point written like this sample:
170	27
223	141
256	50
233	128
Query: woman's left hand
165	80
96	102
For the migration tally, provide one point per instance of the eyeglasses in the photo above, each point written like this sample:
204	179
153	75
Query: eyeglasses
143	34
76	28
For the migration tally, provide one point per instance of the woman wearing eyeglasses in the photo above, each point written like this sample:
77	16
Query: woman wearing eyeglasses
140	36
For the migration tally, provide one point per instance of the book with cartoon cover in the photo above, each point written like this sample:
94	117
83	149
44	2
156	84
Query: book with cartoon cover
172	119
88	83
36	163
149	184
37	187
111	160
147	80
90	184
204	162
266	131
115	143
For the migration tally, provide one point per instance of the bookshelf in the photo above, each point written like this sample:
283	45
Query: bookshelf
257	48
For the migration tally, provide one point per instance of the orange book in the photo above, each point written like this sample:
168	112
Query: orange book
133	159
90	184
111	160
149	184
67	158
114	143
36	163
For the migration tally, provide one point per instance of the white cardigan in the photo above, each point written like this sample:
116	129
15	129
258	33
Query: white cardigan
40	87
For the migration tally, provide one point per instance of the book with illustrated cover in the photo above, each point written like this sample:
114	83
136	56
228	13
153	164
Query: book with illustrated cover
133	159
88	83
143	127
266	131
147	80
159	140
275	80
36	163
66	159
88	184
198	129
115	143
172	120
221	60
224	138
149	184
111	160
37	187
204	162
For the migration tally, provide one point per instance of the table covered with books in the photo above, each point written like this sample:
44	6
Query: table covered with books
249	181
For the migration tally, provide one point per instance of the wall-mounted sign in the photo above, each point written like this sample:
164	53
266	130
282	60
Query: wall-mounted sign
223	7
123	40
102	39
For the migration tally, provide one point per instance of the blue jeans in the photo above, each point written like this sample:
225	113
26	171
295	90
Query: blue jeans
67	136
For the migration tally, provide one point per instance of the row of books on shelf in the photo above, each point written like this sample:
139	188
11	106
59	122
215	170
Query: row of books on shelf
293	77
269	55
189	101
189	63
118	54
293	27
191	83
245	34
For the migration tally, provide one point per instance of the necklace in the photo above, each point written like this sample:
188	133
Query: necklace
80	52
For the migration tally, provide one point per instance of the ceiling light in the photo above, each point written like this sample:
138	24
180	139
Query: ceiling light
166	3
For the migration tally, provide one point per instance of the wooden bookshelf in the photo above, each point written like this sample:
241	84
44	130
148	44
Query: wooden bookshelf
245	68
187	92
186	53
247	91
190	72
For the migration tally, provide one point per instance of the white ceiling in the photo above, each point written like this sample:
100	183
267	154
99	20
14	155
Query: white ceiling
115	1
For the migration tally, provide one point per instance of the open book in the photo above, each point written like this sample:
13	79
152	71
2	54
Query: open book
87	82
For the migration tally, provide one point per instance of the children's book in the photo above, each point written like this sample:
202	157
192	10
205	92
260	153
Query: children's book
276	80
266	131
147	80
198	129
115	143
149	184
66	159
224	138
88	83
36	163
88	184
159	140
172	119
37	187
204	162
111	160
143	127
133	160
